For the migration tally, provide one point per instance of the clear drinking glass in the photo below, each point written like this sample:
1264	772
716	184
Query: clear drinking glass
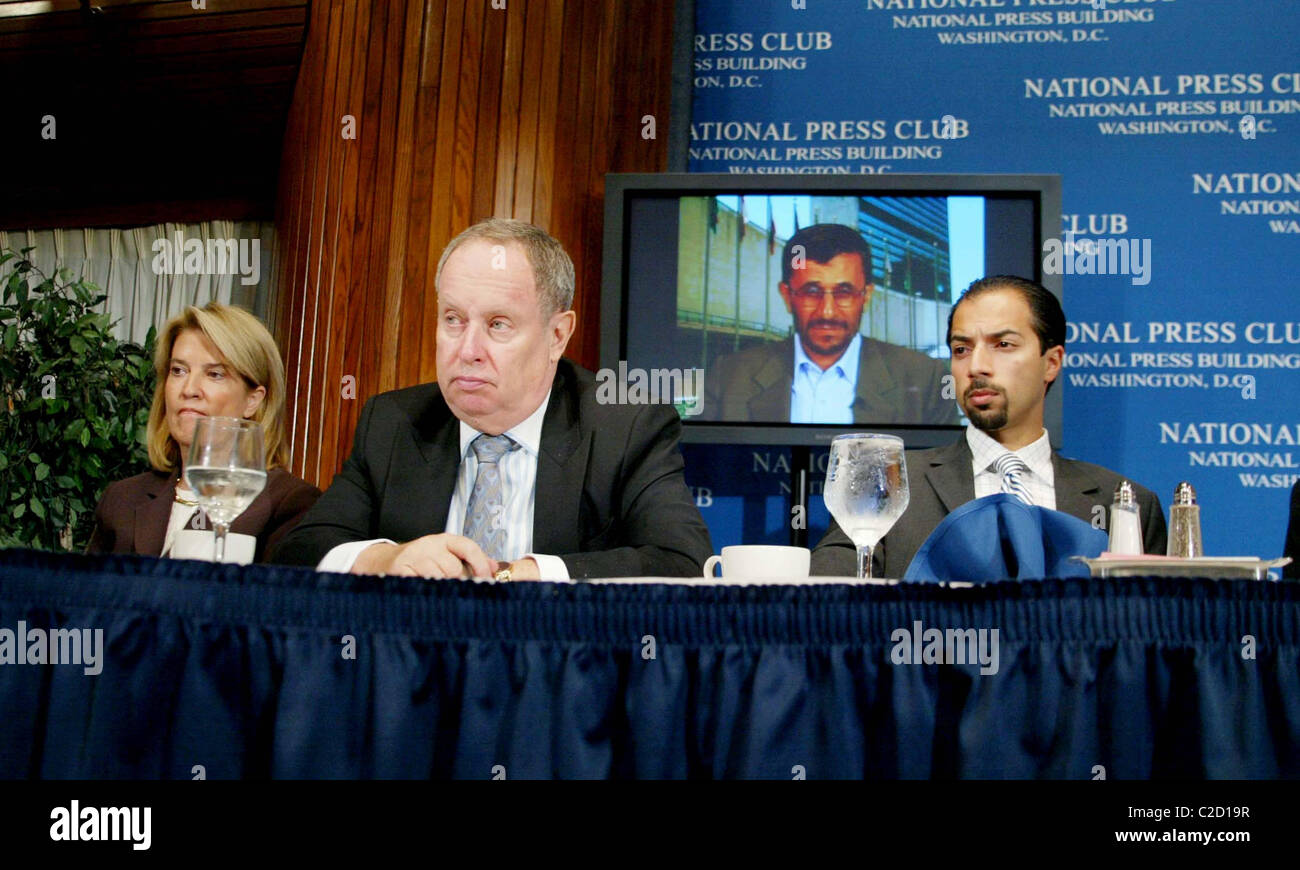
226	468
866	490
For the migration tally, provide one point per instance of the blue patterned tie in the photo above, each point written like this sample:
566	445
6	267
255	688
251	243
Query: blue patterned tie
484	514
1011	467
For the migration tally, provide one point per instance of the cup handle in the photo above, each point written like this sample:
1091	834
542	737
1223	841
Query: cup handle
709	565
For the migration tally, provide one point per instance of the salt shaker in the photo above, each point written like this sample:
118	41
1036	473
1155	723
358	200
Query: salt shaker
1125	524
1185	523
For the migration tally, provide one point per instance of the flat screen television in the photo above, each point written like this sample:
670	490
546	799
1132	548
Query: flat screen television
724	289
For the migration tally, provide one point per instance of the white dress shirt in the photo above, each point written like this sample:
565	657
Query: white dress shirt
177	520
239	547
518	494
1037	455
818	396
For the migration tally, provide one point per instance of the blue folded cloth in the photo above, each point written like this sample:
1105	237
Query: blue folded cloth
999	537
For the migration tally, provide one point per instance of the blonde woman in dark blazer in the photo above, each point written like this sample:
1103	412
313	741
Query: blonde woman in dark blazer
217	360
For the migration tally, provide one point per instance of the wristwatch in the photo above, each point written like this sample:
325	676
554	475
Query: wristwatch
503	574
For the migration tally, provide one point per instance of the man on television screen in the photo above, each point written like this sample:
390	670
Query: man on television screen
831	373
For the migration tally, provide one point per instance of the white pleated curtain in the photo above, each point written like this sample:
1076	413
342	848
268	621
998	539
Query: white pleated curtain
121	263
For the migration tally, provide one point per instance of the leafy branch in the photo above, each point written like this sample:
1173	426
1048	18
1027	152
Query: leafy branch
74	405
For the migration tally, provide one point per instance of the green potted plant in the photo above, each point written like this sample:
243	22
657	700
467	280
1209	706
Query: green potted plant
74	405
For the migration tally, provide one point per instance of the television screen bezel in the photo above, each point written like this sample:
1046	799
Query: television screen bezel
1045	188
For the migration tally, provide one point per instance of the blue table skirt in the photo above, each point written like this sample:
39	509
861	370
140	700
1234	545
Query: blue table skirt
270	671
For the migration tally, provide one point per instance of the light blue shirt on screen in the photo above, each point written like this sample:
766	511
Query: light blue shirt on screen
818	396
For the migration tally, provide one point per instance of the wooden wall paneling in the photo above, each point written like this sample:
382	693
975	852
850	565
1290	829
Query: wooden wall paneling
648	95
512	77
464	137
563	224
491	84
553	44
405	85
423	135
434	14
346	233
374	196
320	142
589	179
529	94
439	204
321	253
328	141
300	270
297	267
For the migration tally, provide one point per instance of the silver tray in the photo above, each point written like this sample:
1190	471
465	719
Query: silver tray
1234	567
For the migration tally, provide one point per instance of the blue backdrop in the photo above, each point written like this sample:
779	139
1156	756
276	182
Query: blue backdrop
1173	124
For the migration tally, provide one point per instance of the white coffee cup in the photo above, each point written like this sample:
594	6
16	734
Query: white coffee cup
760	562
199	544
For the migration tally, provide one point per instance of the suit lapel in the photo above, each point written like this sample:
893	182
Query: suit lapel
561	471
773	379
154	512
438	437
950	475
1076	494
877	390
953	480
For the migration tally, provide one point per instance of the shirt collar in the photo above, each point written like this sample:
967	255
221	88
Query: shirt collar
527	434
847	364
985	450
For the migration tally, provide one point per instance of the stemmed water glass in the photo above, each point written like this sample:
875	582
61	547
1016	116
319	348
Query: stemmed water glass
226	468
866	490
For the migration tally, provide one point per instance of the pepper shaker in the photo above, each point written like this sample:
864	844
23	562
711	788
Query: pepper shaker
1185	523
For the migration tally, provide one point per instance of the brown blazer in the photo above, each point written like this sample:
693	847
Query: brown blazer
132	514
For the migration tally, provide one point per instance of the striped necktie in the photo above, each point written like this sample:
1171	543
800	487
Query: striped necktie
1012	467
484	523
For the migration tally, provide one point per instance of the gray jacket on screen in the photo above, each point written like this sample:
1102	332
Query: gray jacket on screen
895	385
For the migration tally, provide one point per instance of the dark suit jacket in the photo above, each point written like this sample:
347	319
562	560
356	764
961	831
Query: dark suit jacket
132	514
895	385
1292	546
611	497
941	479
